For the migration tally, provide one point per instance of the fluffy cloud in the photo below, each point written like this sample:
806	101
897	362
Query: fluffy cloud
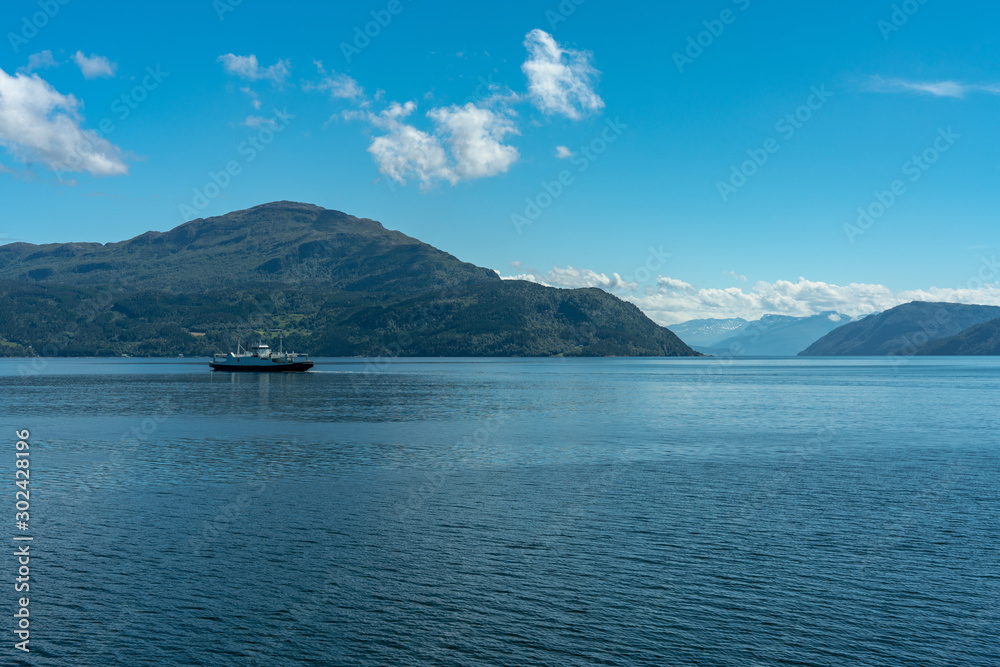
574	278
668	284
406	152
936	88
474	137
254	97
94	66
669	303
560	81
39	61
736	276
337	85
259	121
466	144
247	67
466	141
675	301
671	300
38	124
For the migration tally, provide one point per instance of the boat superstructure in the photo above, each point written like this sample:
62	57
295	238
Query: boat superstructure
260	358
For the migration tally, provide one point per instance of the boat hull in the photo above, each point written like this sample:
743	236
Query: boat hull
293	367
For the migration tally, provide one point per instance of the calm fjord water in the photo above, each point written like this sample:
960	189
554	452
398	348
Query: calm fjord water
511	512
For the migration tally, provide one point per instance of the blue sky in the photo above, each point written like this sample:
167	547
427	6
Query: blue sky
455	123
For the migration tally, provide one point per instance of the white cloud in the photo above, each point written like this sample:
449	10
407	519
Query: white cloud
668	305
258	121
987	295
38	124
675	301
39	61
466	143
560	81
736	276
671	300
406	152
254	97
337	85
94	66
247	67
474	137
574	278
936	88
674	285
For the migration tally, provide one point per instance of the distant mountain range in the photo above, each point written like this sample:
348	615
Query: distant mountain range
337	285
910	329
770	336
707	333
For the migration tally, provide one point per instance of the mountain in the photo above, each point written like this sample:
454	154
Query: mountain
337	285
901	330
982	339
770	336
781	335
706	333
281	242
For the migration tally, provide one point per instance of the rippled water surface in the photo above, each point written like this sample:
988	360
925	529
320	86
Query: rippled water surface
510	512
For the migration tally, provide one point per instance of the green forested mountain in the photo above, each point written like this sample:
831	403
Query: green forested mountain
901	330
335	284
279	243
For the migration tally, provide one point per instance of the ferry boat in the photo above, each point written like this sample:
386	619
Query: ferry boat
260	358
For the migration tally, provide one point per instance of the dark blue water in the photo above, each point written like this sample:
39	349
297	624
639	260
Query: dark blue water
510	512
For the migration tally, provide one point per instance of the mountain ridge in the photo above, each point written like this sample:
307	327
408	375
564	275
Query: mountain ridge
901	330
979	340
243	247
706	332
770	336
338	285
